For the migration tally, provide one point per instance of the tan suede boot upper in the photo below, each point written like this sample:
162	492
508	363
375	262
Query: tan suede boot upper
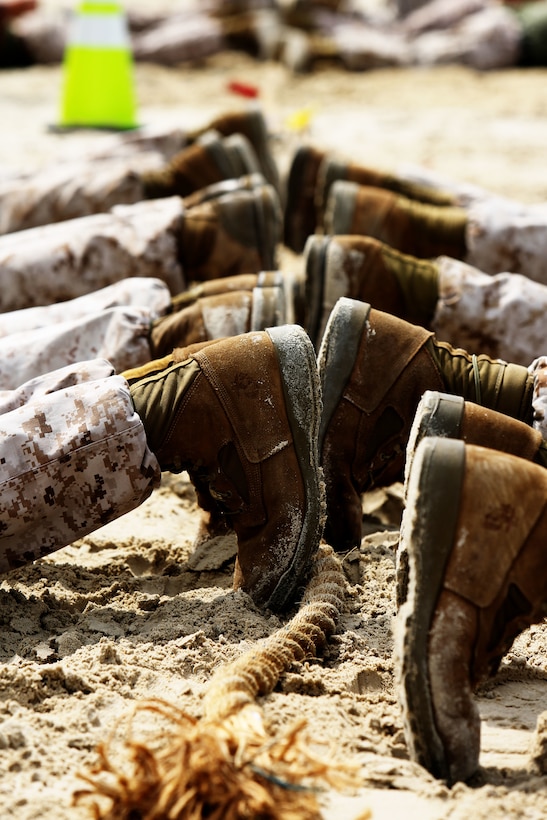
241	415
415	228
252	124
374	369
212	287
333	169
368	411
449	416
217	317
475	530
363	268
236	233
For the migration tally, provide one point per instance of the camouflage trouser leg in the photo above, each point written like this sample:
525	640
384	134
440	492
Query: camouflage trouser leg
539	401
485	39
65	260
73	456
464	193
502	315
508	239
133	292
69	190
118	334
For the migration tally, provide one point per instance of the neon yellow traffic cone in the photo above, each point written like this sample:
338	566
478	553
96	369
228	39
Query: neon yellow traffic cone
98	69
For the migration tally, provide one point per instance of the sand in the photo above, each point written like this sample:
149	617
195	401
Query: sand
129	612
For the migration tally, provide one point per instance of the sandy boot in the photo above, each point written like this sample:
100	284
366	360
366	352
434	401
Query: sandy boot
409	226
216	317
333	169
311	176
252	125
248	182
212	287
374	368
242	281
502	315
210	159
363	268
236	233
292	285
241	416
475	531
267	300
449	416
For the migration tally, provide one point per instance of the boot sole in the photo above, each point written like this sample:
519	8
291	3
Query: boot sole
340	207
294	238
268	308
242	156
219	154
438	415
337	355
268	219
303	402
259	140
330	172
315	252
437	477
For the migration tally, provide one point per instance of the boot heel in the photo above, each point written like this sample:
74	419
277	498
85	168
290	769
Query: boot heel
438	414
437	476
315	252
337	354
303	402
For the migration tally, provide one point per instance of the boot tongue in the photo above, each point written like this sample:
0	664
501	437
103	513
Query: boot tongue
156	390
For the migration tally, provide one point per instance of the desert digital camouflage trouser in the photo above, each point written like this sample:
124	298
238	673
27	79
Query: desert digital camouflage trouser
73	456
112	323
508	239
58	262
482	38
69	190
501	315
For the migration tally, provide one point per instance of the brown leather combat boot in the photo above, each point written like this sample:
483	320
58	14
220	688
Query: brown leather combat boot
374	368
241	416
211	159
292	285
221	308
212	287
311	175
252	124
248	182
236	233
219	316
448	416
363	268
475	531
412	227
332	169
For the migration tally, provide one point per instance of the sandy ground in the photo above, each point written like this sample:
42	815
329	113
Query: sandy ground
129	612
